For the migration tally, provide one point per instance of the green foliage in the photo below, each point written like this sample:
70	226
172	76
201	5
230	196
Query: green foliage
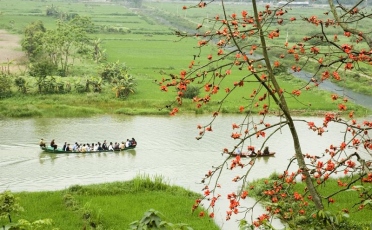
152	220
123	83
42	68
9	204
45	224
145	182
296	211
99	54
5	85
61	46
113	70
124	86
133	48
53	84
21	84
52	11
191	92
282	69
113	205
32	41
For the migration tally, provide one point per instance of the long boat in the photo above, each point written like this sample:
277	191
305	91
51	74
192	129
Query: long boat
271	154
50	149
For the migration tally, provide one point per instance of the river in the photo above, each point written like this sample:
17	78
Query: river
166	146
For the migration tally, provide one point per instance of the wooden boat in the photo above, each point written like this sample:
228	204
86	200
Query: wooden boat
50	149
271	154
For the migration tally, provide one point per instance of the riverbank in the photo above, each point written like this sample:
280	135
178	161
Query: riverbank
344	210
92	104
112	205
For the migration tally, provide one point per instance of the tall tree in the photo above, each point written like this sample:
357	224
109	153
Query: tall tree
68	41
254	63
58	48
32	42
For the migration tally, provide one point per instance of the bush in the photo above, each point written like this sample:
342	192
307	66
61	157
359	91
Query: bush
5	84
42	68
191	92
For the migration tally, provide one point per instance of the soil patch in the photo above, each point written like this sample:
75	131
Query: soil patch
11	51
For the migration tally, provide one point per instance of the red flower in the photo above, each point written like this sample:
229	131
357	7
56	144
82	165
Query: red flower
244	194
296	92
334	96
235	126
343	146
297	196
342	107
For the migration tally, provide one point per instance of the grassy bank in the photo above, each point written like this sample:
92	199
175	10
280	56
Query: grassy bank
112	205
297	206
148	99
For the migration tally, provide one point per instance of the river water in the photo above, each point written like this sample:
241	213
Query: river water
357	98
166	147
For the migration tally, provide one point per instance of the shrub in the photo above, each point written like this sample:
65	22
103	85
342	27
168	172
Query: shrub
191	92
42	68
5	84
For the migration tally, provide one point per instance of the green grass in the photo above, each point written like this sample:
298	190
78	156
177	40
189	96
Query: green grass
346	200
112	205
148	99
151	51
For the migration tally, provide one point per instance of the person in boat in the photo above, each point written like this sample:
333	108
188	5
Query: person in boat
133	142
53	144
104	145
68	148
88	148
99	147
127	143
95	147
75	147
111	147
253	153
259	153
122	146
266	151
42	143
83	148
117	146
64	146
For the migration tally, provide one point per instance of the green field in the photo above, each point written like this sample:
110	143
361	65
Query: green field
144	40
111	205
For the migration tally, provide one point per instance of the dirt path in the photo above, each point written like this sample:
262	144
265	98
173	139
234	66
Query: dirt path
10	50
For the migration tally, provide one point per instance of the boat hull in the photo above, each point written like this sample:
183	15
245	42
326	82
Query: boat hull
59	150
271	154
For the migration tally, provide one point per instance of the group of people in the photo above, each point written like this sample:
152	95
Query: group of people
94	147
259	153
